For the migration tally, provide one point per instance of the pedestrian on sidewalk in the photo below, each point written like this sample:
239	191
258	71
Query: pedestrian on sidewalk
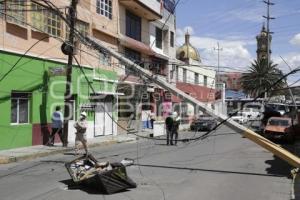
57	126
152	120
81	126
176	123
169	128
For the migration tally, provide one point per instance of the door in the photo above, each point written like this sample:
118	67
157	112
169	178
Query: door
104	124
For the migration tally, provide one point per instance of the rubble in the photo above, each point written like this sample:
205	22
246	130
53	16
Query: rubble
105	176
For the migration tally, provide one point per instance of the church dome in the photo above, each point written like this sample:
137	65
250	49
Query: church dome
187	51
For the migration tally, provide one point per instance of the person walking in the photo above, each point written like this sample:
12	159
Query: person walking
81	126
152	120
169	128
57	126
176	123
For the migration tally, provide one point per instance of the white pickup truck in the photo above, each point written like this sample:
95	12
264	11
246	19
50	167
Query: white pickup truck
252	114
240	117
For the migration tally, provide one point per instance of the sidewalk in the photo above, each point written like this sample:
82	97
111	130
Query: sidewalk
32	152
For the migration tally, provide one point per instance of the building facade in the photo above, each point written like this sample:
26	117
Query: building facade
32	77
232	80
194	78
147	37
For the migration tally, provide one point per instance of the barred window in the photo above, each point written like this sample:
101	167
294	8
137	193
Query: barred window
45	20
15	12
20	108
104	7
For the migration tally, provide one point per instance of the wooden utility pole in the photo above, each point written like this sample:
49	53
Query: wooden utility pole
70	50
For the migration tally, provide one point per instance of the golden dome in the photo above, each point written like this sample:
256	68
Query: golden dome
187	51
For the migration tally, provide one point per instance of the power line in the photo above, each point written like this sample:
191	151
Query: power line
20	58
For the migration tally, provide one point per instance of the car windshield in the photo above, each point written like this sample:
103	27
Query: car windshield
278	122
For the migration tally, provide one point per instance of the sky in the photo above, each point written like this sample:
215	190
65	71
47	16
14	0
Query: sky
235	24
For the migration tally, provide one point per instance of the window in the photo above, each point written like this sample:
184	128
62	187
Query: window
104	7
133	55
184	75
13	16
177	73
171	39
104	59
38	18
205	80
81	26
45	20
196	78
19	108
169	5
133	26
158	40
53	25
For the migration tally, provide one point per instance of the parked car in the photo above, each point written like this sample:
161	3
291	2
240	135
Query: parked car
240	117
280	128
203	123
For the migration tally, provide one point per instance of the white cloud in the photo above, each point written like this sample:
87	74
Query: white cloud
234	53
293	60
296	40
252	15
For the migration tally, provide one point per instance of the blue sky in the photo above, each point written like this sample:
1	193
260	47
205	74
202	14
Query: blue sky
235	24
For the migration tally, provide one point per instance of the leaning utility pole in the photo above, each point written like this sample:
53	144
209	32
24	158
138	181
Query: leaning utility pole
272	147
69	49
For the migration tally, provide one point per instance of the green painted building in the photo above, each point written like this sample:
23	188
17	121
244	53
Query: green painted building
30	92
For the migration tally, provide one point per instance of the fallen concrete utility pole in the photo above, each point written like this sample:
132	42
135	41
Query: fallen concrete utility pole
263	142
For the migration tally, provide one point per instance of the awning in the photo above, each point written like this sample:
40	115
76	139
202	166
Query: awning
136	45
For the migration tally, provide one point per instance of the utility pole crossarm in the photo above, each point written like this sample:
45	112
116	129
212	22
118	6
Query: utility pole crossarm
272	147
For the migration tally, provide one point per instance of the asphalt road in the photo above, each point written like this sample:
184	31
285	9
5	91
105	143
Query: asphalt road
224	166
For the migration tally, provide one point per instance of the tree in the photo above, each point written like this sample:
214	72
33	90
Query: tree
260	77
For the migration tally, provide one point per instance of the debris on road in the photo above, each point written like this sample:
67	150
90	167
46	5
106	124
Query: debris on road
106	177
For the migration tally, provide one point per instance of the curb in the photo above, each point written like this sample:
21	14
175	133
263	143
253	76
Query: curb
12	159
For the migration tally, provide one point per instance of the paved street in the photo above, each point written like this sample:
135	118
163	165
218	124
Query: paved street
224	166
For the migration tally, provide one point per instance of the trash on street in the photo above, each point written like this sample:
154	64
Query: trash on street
104	176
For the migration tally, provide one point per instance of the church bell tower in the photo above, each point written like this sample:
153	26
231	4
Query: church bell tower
262	44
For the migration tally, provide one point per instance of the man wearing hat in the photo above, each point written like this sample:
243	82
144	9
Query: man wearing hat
81	126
